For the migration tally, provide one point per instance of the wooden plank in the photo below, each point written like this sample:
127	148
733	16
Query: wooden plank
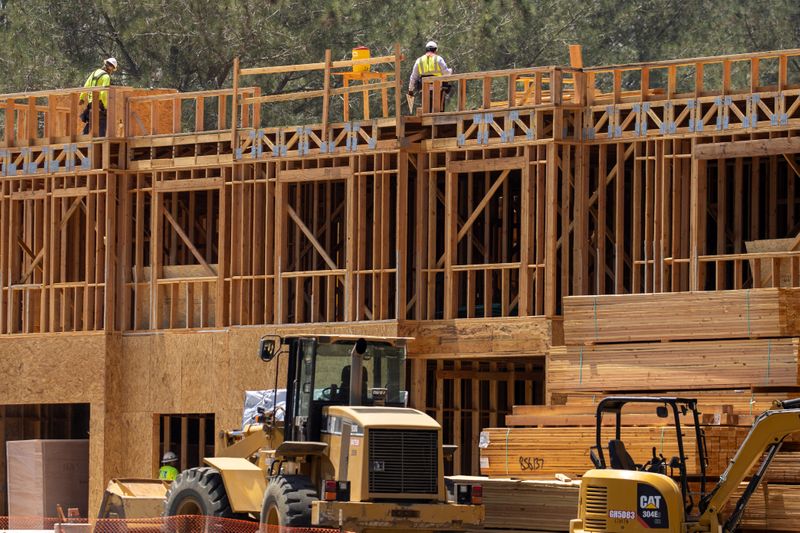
486	165
315	174
759	147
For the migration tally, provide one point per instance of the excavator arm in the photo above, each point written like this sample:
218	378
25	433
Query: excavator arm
767	434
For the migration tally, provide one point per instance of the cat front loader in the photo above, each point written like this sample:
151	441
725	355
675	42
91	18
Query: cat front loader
345	451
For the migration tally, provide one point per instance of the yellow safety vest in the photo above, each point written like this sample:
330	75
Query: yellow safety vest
167	473
429	65
98	78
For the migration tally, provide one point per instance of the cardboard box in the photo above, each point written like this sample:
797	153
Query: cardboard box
43	473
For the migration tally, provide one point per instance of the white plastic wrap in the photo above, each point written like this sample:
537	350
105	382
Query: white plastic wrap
253	399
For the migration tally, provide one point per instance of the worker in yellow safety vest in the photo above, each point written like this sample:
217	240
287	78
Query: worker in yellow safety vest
430	64
168	472
98	78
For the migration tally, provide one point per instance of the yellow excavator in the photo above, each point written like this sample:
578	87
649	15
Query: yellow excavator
343	452
620	496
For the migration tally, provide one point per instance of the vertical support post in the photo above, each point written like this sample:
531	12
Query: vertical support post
450	242
398	91
551	188
402	235
350	247
234	104
694	223
575	56
525	239
10	123
326	99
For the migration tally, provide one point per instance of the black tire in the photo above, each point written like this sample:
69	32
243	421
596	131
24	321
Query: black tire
287	502
198	491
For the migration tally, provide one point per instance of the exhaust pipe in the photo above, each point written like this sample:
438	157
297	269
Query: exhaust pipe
356	371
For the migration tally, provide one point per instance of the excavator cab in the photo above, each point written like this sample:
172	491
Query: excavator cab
673	411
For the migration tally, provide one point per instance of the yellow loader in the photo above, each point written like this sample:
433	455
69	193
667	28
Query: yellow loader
344	452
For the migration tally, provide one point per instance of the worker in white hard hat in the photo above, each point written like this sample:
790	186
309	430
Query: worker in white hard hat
430	64
99	78
168	472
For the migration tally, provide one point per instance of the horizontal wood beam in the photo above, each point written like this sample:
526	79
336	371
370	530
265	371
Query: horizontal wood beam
195	184
486	165
281	69
315	174
760	147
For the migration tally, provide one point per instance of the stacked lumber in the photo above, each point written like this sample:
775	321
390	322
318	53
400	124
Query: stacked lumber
743	402
731	314
535	505
725	425
691	365
540	453
579	416
773	507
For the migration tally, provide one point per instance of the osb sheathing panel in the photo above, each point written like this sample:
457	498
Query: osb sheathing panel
486	337
129	455
67	368
97	456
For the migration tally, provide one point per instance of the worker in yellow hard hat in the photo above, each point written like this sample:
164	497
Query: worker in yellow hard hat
430	64
98	78
168	472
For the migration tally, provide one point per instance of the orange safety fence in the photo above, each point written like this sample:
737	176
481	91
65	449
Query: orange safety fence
171	524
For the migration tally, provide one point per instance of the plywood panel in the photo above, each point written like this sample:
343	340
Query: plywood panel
67	368
492	337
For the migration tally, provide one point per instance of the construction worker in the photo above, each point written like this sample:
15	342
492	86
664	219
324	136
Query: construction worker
430	64
168	472
99	78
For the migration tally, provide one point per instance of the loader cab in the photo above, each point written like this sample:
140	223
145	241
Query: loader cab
678	415
324	371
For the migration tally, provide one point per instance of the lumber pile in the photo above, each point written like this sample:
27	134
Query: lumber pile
535	505
735	314
726	417
690	365
773	507
540	453
736	352
745	404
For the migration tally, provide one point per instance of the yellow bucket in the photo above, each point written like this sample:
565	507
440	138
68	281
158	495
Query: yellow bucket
361	52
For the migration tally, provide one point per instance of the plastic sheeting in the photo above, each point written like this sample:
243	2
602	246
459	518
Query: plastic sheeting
253	399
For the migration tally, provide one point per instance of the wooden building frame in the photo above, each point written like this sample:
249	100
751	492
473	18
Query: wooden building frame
464	225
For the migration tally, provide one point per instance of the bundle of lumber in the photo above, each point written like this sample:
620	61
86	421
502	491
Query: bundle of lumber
540	453
773	507
534	505
736	314
580	416
690	365
744	404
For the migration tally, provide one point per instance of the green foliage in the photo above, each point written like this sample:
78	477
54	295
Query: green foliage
190	44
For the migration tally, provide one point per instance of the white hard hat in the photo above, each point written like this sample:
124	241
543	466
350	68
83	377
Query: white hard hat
111	61
169	457
431	44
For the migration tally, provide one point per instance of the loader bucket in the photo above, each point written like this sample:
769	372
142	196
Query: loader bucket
134	498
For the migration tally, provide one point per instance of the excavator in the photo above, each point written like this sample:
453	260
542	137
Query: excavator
620	496
343	452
